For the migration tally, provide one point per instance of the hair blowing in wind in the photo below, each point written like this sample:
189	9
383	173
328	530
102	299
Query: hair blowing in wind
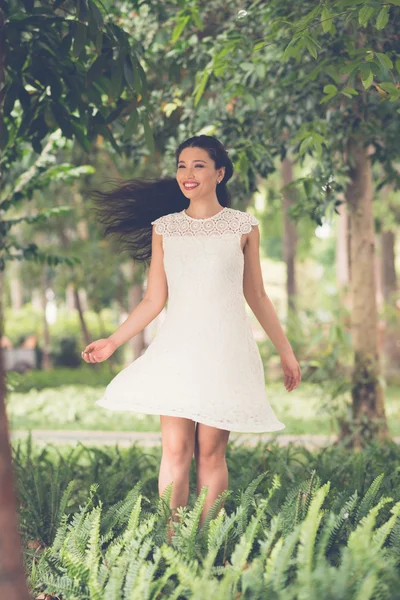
127	210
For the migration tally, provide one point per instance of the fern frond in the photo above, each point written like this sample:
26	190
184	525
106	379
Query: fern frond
283	560
246	500
187	527
119	513
360	538
380	535
92	558
369	497
308	533
212	512
218	534
343	517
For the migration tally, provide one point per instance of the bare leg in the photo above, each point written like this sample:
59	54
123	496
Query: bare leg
177	452
211	467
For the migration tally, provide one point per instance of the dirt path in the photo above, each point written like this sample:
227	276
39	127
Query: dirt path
126	438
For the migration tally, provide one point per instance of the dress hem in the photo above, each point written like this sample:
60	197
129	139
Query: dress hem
197	418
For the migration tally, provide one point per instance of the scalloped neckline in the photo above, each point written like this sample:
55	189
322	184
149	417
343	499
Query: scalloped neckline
204	218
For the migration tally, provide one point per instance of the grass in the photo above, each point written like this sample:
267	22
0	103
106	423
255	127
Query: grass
72	407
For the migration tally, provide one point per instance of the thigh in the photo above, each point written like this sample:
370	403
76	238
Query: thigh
210	441
177	435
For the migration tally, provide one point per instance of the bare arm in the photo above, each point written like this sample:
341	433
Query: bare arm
154	299
262	307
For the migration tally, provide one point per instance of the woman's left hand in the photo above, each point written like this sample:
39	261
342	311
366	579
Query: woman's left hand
291	370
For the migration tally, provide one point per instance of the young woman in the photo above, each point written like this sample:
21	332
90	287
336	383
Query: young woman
203	372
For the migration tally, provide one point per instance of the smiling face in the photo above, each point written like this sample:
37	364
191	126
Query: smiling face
196	173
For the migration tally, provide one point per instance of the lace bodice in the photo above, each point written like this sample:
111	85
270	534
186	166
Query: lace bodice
227	221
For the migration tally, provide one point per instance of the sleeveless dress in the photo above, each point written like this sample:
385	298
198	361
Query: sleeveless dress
204	363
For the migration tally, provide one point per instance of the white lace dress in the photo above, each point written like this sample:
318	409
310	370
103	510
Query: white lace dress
204	363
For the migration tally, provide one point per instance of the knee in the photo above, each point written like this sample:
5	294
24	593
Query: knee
210	458
178	455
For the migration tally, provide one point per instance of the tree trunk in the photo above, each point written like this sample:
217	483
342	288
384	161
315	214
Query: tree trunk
14	272
342	254
289	234
391	335
46	361
12	576
85	331
367	392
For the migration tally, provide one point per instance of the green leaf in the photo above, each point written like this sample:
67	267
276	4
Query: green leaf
326	20
196	18
258	46
63	120
55	85
384	60
131	125
291	49
3	134
306	144
201	87
82	10
129	72
115	113
10	97
99	41
140	82
116	83
96	68
388	86
311	47
308	186
397	63
65	44
349	90
330	89
365	14
49	118
81	136
179	27
382	18
95	13
79	39
367	77
148	134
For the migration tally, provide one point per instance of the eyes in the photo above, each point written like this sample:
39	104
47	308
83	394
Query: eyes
201	166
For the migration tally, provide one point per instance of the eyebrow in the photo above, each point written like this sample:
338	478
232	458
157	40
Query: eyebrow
195	160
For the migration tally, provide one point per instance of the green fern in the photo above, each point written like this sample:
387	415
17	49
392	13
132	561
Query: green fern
281	560
342	518
186	529
394	540
380	535
211	514
246	500
218	534
369	498
118	514
92	555
308	533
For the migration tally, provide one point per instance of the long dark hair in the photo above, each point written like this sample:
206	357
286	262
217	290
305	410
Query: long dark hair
127	210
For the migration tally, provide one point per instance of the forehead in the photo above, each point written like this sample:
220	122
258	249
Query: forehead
192	154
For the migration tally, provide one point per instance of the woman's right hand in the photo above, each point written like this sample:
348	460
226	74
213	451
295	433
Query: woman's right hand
99	350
